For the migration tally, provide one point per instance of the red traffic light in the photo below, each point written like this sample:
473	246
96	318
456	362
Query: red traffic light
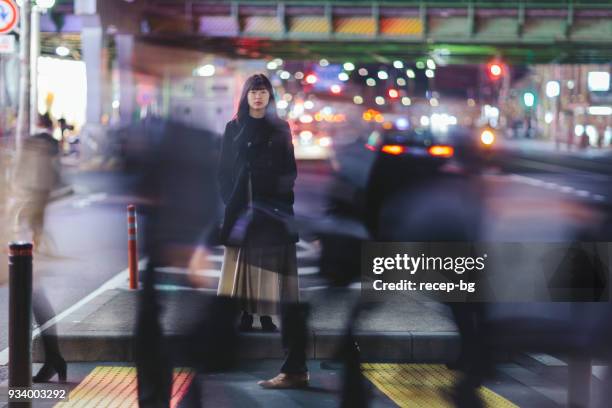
393	93
495	70
311	78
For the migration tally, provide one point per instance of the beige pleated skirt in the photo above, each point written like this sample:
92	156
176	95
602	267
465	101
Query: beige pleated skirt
261	278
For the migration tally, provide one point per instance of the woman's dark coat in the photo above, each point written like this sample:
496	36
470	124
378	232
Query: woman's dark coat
267	157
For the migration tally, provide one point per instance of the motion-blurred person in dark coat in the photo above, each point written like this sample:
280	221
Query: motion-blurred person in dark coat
180	186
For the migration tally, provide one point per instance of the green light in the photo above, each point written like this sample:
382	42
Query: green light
529	99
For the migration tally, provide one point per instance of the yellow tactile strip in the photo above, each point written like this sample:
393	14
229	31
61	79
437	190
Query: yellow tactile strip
422	385
116	387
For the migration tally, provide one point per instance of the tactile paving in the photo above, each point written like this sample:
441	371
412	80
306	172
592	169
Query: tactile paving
423	385
116	387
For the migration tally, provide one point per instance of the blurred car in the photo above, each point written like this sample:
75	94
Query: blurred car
409	149
310	143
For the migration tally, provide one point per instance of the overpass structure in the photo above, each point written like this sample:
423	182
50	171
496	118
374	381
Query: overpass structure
521	31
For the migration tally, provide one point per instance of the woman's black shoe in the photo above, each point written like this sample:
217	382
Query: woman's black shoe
267	325
246	322
49	369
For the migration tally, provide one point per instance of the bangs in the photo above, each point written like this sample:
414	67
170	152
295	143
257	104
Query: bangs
259	82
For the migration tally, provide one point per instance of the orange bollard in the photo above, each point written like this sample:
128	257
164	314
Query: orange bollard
132	247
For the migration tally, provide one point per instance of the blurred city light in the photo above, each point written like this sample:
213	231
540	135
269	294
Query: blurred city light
401	81
308	105
393	93
325	141
380	100
335	88
271	65
285	75
343	76
429	73
406	101
45	4
598	81
393	149
402	123
115	104
311	78
495	70
548	117
529	99
323	62
424	120
206	70
306	118
441	151
570	84
553	89
383	75
348	66
420	65
398	64
306	136
371	82
363	71
62	51
299	75
487	137
600	110
357	99
431	64
579	130
434	102
410	73
288	97
282	104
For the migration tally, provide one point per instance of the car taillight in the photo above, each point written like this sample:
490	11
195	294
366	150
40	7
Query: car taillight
370	147
393	149
441	151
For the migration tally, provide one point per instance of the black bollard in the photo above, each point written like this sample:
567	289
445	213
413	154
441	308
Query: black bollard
20	317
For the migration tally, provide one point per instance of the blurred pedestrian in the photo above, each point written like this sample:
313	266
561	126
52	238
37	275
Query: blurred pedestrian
36	175
257	172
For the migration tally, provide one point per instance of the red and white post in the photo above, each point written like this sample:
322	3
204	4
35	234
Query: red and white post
132	247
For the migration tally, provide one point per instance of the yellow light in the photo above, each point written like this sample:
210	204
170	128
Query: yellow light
379	118
441	151
487	137
387	125
318	117
393	149
367	116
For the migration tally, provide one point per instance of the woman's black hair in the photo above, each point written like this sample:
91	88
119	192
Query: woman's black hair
257	81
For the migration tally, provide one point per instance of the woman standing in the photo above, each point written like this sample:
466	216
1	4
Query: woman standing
257	172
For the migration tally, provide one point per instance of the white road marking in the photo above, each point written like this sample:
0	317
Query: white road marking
117	281
554	186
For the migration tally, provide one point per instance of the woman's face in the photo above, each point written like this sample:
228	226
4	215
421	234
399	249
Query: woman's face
258	98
